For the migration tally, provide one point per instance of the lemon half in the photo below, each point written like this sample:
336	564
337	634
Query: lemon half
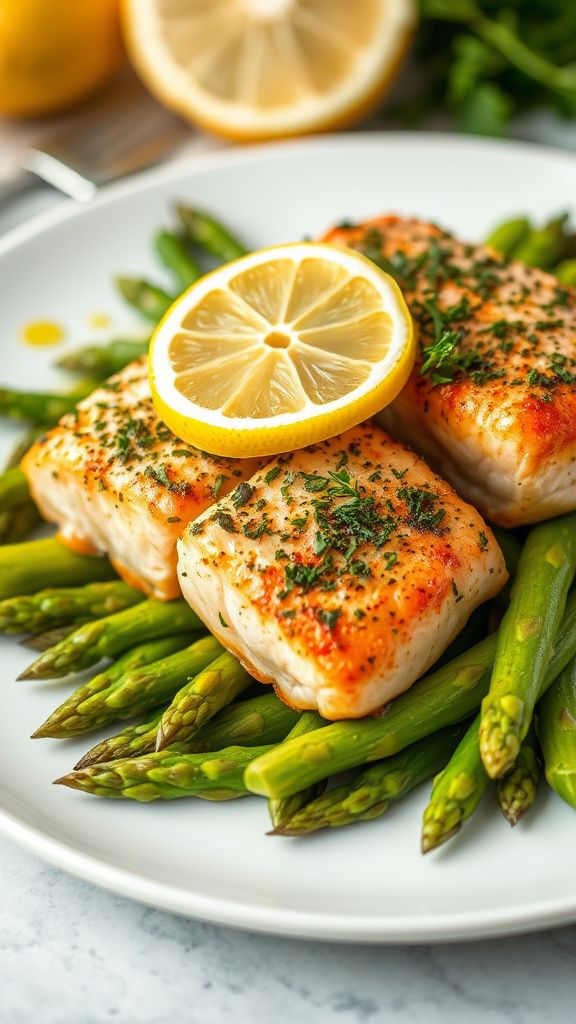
280	349
253	69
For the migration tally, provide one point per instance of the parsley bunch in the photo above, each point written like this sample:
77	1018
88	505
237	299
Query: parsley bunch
487	60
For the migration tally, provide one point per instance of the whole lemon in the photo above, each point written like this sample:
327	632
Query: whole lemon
54	53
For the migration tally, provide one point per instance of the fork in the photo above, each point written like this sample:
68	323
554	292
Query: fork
120	132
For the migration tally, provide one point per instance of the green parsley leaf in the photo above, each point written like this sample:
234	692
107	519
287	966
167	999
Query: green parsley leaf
328	617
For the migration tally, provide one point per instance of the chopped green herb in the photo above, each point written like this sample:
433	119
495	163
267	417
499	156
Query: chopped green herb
242	494
256	530
328	617
218	484
420	504
314	483
285	488
306	576
300	521
321	543
225	521
272	474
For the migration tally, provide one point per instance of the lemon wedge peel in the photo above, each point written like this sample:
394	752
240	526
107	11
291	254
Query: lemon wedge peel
237	381
264	69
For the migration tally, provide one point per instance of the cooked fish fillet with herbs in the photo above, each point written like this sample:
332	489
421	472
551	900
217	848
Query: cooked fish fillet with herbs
340	573
116	481
491	403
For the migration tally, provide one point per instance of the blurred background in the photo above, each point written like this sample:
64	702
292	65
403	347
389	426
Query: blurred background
96	89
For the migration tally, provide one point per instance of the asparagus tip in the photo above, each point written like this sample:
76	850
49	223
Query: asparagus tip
84	762
513	815
499	742
432	842
283	830
28	673
47	731
436	835
66	780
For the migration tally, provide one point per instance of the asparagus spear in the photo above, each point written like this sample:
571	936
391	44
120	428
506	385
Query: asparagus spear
545	572
210	235
456	792
174	254
14	490
148	299
42	641
75	715
132	741
442	698
566	272
16	524
285	808
463	784
369	794
18	513
59	606
506	237
252	722
168	775
544	247
447	695
556	725
41	407
201	698
153	678
26	568
102	361
517	791
110	636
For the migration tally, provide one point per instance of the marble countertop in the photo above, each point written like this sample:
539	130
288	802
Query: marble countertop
73	954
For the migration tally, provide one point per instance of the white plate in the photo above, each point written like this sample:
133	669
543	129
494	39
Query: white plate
213	860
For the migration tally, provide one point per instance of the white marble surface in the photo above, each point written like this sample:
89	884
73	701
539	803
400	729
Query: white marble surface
73	954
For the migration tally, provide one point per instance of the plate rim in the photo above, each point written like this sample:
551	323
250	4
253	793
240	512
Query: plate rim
385	928
295	924
142	180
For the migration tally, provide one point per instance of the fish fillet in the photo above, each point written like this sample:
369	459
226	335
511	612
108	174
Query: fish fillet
116	481
496	416
341	572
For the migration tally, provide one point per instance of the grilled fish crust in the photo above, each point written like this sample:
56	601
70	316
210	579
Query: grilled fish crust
503	429
116	481
341	572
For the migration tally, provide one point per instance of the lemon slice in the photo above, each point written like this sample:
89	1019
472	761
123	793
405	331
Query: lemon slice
280	349
253	69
